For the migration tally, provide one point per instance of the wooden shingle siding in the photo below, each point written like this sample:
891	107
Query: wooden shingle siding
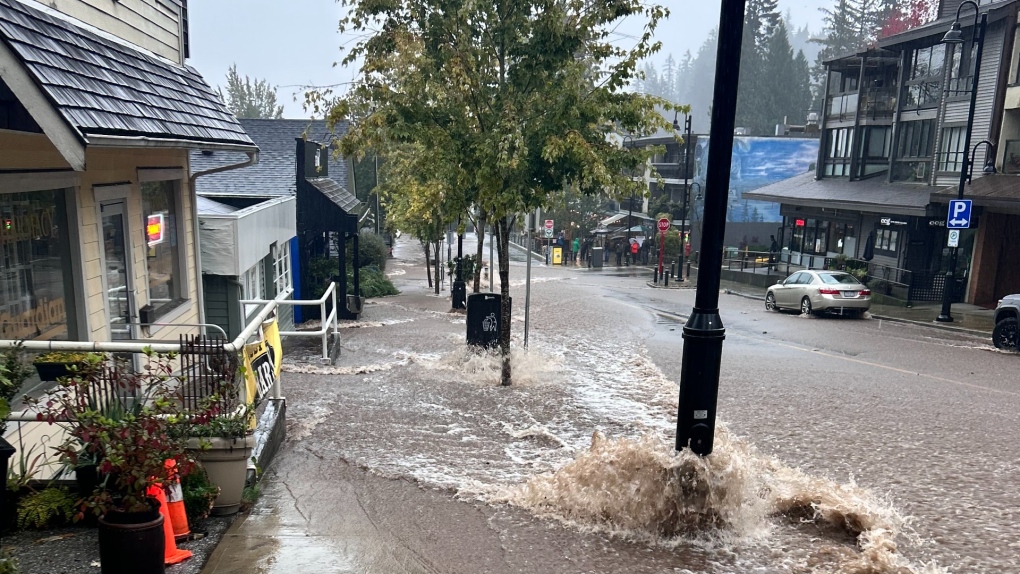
154	25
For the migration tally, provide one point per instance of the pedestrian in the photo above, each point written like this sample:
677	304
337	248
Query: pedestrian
576	248
634	251
773	252
619	254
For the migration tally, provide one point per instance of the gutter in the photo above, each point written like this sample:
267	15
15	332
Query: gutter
148	142
253	159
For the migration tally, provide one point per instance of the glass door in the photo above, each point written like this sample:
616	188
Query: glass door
117	276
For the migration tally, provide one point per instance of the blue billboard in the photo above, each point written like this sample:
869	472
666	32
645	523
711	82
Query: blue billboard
757	162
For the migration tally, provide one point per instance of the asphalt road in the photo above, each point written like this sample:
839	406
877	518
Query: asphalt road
407	456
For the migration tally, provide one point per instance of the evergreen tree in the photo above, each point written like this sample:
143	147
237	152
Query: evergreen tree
779	94
250	99
667	86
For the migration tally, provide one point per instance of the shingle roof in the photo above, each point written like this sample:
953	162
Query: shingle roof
1000	191
839	193
335	193
276	172
103	87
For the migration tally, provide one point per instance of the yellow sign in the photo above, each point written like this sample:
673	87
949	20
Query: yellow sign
262	362
557	256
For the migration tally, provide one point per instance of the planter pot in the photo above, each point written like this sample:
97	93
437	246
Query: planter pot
226	463
53	371
131	543
355	304
87	479
6	499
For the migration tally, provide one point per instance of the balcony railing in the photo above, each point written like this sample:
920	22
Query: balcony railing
842	107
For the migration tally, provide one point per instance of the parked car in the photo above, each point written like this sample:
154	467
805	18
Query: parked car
817	292
1006	334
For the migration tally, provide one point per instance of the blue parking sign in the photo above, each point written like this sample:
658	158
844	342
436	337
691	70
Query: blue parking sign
959	214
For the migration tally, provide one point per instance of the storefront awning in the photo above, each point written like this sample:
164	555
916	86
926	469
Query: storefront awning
621	216
104	92
870	195
995	191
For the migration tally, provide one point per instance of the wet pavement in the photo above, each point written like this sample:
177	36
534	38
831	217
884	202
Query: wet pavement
848	445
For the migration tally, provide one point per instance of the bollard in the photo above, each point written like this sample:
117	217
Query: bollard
655	276
665	280
688	269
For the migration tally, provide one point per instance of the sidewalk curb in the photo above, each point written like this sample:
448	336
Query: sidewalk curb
933	324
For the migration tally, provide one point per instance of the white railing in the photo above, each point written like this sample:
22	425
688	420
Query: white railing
328	321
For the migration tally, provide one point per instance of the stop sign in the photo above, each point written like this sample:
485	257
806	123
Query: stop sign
548	224
663	225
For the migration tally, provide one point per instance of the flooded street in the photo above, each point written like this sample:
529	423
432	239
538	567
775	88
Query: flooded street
851	446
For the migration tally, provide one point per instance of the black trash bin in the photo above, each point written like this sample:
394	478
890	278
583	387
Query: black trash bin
484	316
596	257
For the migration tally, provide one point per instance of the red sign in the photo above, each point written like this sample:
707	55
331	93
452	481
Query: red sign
548	224
799	223
663	225
154	229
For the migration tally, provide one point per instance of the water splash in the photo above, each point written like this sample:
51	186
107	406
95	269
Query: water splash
484	366
642	489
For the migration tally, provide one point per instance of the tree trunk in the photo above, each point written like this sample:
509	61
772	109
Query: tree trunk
480	233
503	246
436	259
428	263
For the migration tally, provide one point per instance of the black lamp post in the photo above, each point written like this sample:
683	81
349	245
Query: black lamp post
955	37
687	189
630	206
459	288
704	332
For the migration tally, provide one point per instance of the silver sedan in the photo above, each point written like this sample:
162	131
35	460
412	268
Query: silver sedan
818	292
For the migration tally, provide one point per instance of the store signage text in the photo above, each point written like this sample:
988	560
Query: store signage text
890	221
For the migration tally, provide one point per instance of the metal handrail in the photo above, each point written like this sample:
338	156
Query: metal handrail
330	319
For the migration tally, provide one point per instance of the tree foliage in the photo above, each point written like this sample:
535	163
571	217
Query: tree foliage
250	99
495	105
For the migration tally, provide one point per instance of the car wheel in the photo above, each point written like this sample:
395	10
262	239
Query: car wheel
1006	334
805	306
770	302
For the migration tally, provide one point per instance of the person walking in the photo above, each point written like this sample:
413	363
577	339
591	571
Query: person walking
619	254
634	247
576	249
773	252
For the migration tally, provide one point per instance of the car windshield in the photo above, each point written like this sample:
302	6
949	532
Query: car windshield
838	279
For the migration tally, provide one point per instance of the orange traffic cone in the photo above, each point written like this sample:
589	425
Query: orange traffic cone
171	555
175	504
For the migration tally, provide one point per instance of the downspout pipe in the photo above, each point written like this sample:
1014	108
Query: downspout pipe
253	159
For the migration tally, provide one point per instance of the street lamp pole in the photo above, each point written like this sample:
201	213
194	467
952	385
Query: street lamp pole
687	189
955	36
704	332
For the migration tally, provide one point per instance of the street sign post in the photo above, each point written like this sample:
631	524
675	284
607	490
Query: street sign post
954	238
548	228
959	214
663	225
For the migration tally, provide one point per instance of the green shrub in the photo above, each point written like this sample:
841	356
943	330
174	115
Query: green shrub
374	283
372	251
199	495
249	496
8	564
47	508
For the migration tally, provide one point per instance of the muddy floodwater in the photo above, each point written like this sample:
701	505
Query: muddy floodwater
844	446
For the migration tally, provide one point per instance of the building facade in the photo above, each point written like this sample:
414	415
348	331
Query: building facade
894	122
98	225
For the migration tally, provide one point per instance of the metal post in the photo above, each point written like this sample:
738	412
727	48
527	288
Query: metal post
492	260
947	290
687	193
527	286
704	332
378	207
458	291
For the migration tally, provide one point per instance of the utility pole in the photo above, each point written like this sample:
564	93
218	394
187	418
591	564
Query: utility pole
527	284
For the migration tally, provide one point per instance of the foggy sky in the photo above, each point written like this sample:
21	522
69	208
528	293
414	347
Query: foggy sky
294	43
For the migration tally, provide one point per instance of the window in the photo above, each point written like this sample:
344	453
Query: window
36	290
281	268
887	240
838	279
163	256
839	144
254	283
927	66
914	151
952	152
875	151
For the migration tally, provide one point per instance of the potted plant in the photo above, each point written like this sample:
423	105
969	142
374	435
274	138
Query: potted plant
220	437
125	421
58	364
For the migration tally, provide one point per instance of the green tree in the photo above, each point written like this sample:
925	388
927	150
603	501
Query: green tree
506	101
250	99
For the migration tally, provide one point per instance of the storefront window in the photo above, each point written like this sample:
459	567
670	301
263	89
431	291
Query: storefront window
36	293
163	257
